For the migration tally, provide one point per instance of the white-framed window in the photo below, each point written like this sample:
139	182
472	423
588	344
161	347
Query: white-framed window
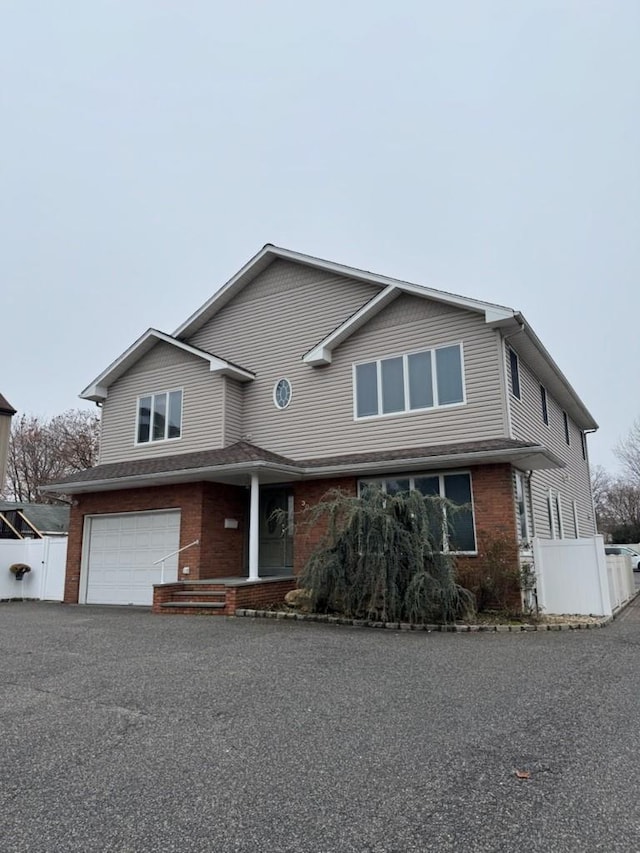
515	374
567	434
159	417
282	393
459	535
521	507
583	444
416	381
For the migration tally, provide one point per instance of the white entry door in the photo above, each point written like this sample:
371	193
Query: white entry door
120	555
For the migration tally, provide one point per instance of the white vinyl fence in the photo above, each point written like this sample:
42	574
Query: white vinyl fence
575	576
47	558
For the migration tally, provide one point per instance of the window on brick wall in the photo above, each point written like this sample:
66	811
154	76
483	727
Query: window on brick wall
459	528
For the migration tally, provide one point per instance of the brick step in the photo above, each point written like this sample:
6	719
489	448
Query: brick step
197	594
191	606
193	611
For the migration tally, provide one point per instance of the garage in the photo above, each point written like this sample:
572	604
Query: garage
120	552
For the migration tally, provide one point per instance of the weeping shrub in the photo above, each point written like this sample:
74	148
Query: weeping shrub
380	559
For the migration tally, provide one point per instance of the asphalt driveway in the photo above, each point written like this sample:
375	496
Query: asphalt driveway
121	731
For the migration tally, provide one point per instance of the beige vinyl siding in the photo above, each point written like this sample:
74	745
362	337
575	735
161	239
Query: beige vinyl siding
164	368
289	309
281	315
234	399
571	483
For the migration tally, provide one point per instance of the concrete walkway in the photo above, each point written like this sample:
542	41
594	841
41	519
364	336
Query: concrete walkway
120	731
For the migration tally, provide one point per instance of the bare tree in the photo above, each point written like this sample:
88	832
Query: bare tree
42	451
600	485
617	505
628	452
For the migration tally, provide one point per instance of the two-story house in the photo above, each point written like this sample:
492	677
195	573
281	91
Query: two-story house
297	376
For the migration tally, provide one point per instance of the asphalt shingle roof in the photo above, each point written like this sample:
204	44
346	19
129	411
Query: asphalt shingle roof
244	452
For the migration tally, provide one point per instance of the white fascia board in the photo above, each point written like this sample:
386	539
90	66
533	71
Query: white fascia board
322	353
269	253
554	379
526	458
183	475
257	263
98	390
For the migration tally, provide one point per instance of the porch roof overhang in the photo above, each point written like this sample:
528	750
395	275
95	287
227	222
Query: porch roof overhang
236	464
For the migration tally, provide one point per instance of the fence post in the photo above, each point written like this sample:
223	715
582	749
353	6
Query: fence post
603	581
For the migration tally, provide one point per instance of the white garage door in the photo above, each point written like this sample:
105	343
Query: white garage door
121	553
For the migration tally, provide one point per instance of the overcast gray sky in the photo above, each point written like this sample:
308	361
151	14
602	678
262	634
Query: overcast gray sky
149	148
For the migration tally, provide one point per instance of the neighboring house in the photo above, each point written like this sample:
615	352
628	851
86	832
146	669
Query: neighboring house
32	521
6	413
297	376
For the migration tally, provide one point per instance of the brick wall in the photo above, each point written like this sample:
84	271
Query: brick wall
307	494
203	506
495	519
494	510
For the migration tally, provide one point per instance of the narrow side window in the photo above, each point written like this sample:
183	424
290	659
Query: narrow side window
515	374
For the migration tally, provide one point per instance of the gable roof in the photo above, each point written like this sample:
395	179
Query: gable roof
98	389
270	253
521	336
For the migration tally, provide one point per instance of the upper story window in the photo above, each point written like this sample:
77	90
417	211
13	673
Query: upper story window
515	374
159	417
459	528
282	393
545	407
567	436
414	381
583	442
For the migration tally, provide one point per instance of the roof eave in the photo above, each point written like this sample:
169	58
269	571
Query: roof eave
210	472
535	457
268	253
550	375
99	388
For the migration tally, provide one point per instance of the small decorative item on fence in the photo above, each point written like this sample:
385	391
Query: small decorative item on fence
19	570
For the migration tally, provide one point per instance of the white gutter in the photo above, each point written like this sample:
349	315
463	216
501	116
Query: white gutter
296	472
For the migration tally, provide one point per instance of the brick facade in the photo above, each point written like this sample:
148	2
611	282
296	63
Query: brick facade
203	506
222	552
306	494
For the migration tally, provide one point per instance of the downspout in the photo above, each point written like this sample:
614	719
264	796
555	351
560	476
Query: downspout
593	504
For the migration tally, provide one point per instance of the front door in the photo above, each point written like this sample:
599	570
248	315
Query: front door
276	533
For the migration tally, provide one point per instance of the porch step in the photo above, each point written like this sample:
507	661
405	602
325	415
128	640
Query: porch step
194	605
198	594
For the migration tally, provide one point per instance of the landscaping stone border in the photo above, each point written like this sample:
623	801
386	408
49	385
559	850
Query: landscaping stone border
406	626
